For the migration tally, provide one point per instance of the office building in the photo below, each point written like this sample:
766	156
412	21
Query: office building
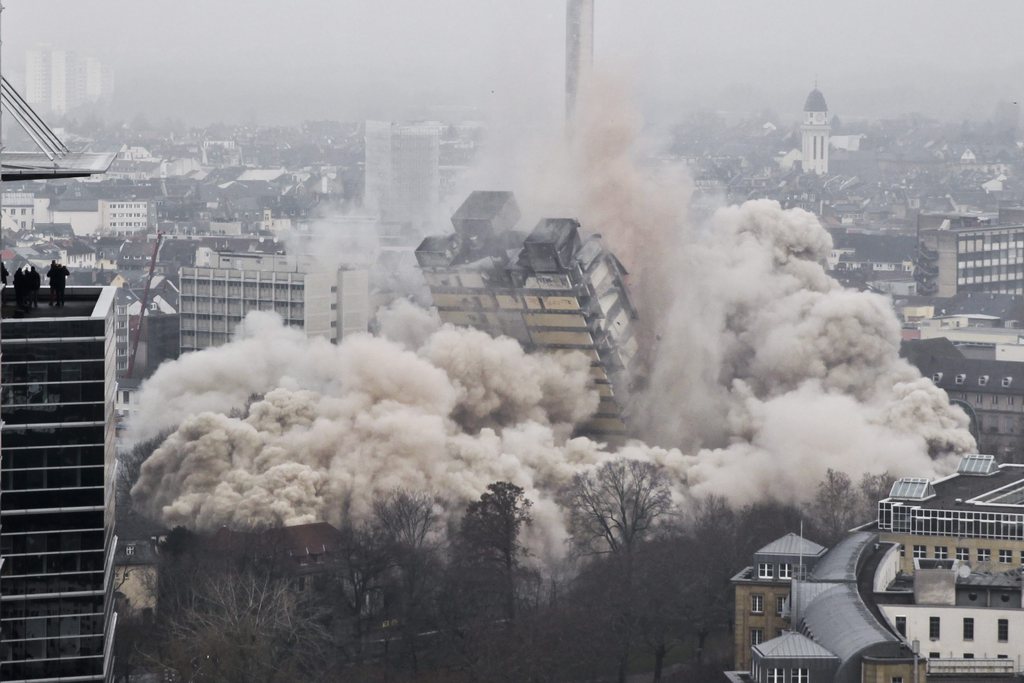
960	255
402	182
555	288
975	515
57	534
224	286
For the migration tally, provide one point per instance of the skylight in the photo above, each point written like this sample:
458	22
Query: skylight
976	463
912	488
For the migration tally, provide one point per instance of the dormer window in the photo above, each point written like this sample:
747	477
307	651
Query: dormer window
765	570
983	381
1007	381
785	571
959	379
937	377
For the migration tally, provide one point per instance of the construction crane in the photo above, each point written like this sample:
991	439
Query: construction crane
145	303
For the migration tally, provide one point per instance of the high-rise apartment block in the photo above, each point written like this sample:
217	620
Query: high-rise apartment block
217	295
552	289
402	182
58	81
57	535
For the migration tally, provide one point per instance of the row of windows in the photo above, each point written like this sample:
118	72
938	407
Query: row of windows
964	523
757	604
776	675
941	552
935	628
767	570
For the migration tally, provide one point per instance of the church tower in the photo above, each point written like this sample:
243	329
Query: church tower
815	133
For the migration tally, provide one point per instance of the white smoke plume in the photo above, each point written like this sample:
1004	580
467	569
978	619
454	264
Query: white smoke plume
761	373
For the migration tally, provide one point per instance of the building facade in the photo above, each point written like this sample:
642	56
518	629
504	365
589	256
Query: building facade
553	289
58	81
975	516
761	592
969	257
126	217
815	133
990	391
57	535
402	181
214	299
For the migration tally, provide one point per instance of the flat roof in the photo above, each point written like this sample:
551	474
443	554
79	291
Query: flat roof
966	487
79	302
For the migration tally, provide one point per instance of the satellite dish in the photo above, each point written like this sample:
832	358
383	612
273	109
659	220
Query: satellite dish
963	571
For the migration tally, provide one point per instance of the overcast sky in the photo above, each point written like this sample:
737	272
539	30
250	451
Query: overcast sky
289	60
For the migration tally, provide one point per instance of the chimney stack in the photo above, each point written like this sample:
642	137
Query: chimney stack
579	51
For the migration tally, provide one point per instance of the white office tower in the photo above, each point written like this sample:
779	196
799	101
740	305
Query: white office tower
401	171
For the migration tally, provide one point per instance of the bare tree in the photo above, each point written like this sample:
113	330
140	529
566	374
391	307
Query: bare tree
410	525
246	627
611	511
836	504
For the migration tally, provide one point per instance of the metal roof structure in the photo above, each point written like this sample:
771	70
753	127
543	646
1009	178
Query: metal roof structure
840	563
793	645
792	544
912	488
54	159
976	463
840	621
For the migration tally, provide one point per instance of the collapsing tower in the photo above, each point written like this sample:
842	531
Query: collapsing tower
579	51
552	289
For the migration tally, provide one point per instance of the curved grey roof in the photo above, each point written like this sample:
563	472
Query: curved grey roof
815	101
840	563
839	621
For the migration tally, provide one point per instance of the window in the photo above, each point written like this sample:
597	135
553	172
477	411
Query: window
896	679
785	571
756	636
757	603
776	676
984	555
963	554
968	628
1022	556
933	655
780	604
799	675
920	551
959	379
1005	556
765	570
941	552
901	626
934	628
1004	630
968	655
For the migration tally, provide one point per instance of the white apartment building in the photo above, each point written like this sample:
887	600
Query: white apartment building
217	295
18	210
125	217
58	81
957	613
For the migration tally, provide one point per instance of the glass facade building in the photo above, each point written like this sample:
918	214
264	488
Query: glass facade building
56	503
